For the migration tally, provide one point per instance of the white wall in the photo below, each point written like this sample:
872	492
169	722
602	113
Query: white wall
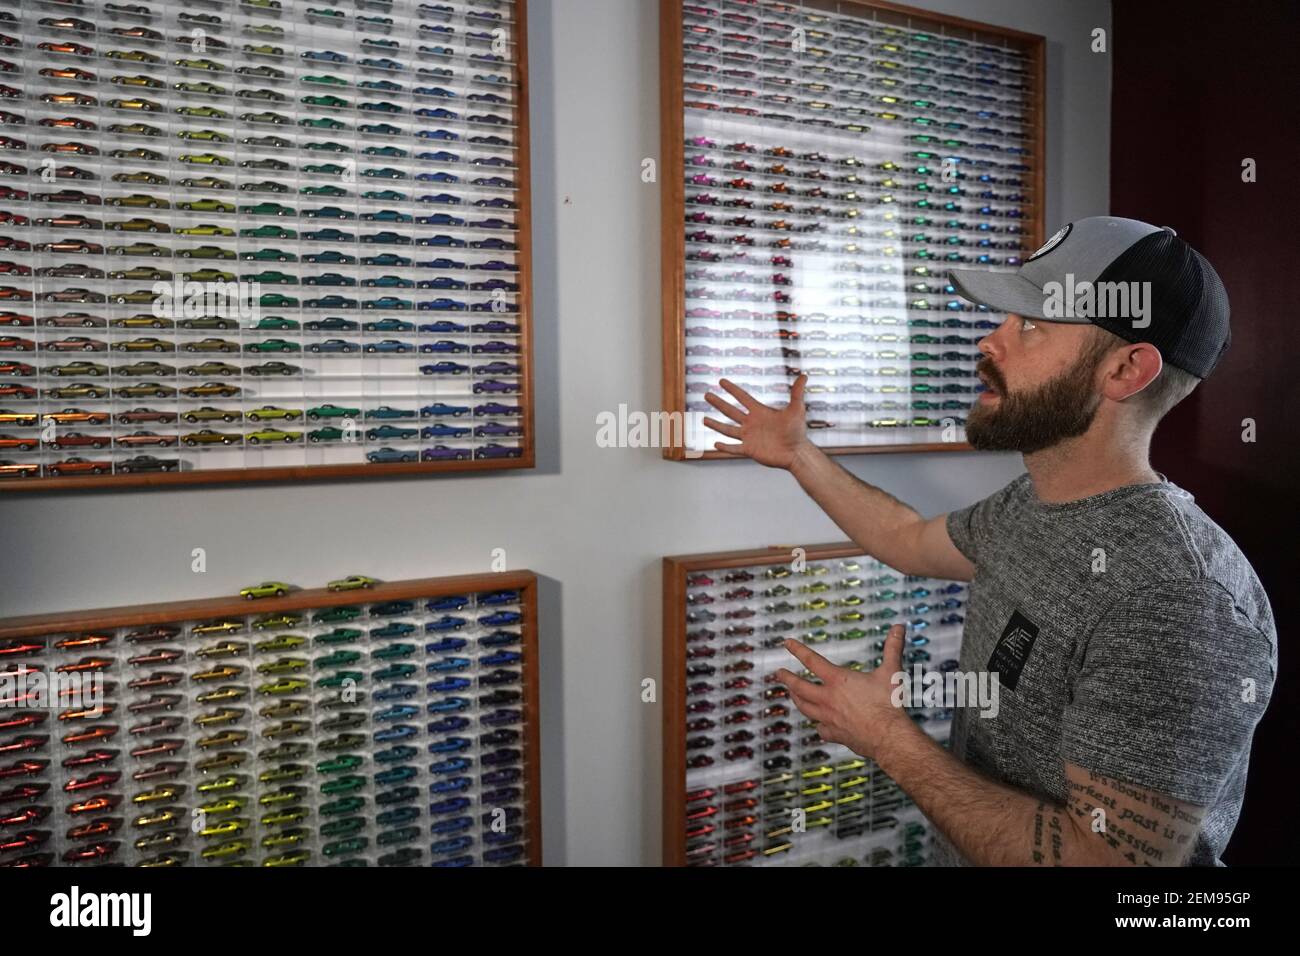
593	522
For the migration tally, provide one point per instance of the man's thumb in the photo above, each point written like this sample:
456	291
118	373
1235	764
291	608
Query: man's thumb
893	656
796	393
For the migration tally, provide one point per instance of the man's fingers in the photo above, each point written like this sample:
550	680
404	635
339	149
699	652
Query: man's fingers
740	395
728	409
810	658
801	687
892	658
731	431
810	708
731	449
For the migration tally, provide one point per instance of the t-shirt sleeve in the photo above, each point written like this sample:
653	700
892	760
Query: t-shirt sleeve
1173	680
969	527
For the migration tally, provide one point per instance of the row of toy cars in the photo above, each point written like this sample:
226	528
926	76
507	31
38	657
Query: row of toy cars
752	189
811	168
847	74
773	188
275	369
386	732
909	848
370	429
761	783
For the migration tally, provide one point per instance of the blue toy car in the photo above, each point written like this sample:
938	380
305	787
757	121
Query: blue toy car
444	325
446	645
397	732
442	304
447	622
397	712
387	302
440	219
442	430
448	705
445	346
442	408
385	432
397	692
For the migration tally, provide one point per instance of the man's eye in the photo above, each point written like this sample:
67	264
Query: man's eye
1026	324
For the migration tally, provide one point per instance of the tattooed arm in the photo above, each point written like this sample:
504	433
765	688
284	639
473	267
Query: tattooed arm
1140	827
989	822
992	824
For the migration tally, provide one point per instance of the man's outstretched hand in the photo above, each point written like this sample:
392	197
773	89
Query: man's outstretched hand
851	707
770	436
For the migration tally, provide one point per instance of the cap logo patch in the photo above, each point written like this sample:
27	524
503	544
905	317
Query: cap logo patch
1053	242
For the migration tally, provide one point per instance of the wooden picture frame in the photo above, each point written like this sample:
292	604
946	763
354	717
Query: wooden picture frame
17	477
690	439
43	629
798	565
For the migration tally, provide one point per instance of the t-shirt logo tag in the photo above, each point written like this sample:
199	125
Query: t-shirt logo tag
1013	649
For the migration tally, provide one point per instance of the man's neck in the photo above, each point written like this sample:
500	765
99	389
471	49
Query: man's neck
1082	467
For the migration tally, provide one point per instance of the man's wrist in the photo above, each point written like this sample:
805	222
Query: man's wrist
802	458
901	737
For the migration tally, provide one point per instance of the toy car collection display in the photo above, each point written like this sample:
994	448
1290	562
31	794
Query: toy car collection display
370	724
269	239
262	239
835	159
747	779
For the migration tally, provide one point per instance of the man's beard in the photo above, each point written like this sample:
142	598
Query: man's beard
1029	421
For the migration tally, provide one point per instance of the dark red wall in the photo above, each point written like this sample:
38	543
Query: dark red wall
1198	87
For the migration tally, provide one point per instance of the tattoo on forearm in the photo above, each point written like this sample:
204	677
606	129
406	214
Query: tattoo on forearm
1047	830
1142	828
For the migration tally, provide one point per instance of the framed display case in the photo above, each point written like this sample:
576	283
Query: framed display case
747	780
383	724
262	240
824	163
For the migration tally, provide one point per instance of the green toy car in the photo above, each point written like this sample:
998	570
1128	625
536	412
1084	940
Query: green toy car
277	620
340	635
352	581
265	589
289	685
281	642
332	411
325	99
347	613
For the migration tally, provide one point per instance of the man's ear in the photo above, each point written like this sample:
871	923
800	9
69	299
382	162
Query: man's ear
1139	364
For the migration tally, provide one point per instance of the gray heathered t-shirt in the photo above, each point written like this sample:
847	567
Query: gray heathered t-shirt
1136	672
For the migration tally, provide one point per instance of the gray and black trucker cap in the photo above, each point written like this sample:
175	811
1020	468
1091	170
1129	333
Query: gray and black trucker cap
1185	305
